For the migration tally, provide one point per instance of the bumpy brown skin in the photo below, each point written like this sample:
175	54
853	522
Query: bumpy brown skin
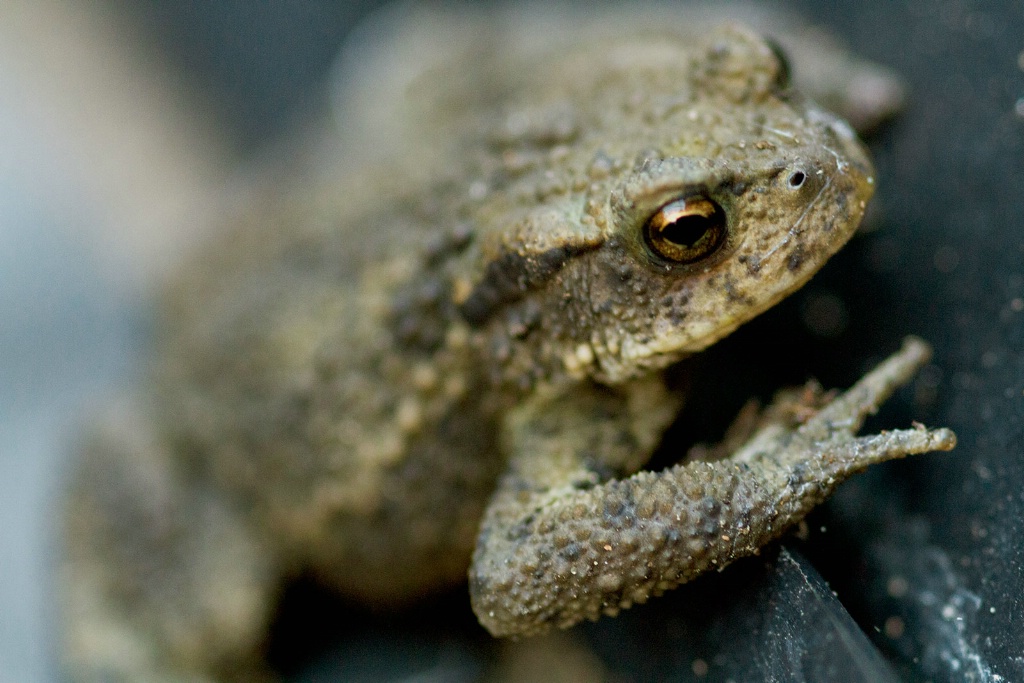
342	383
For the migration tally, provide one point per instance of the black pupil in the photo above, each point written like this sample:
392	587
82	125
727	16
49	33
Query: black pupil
797	179
686	231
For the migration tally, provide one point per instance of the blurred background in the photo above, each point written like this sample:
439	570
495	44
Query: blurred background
120	123
123	123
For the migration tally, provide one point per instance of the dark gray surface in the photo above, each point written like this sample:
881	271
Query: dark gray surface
259	63
924	553
779	622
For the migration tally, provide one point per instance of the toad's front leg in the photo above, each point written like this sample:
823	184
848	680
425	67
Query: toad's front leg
591	544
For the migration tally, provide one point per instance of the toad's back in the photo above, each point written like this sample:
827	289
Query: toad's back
317	362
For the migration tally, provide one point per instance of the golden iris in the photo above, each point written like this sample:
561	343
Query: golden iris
686	230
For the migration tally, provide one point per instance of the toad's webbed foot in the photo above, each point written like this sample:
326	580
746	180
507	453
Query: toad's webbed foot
552	556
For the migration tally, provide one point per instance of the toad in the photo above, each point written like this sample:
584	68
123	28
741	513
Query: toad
454	359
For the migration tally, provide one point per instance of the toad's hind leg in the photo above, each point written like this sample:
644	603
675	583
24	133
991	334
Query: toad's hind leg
161	581
552	555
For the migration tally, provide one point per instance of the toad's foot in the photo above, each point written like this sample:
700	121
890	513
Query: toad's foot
162	583
552	556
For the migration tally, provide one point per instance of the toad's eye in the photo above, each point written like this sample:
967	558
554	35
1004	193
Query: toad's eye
686	230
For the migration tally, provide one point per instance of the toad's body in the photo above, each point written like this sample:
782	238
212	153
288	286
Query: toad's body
374	364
